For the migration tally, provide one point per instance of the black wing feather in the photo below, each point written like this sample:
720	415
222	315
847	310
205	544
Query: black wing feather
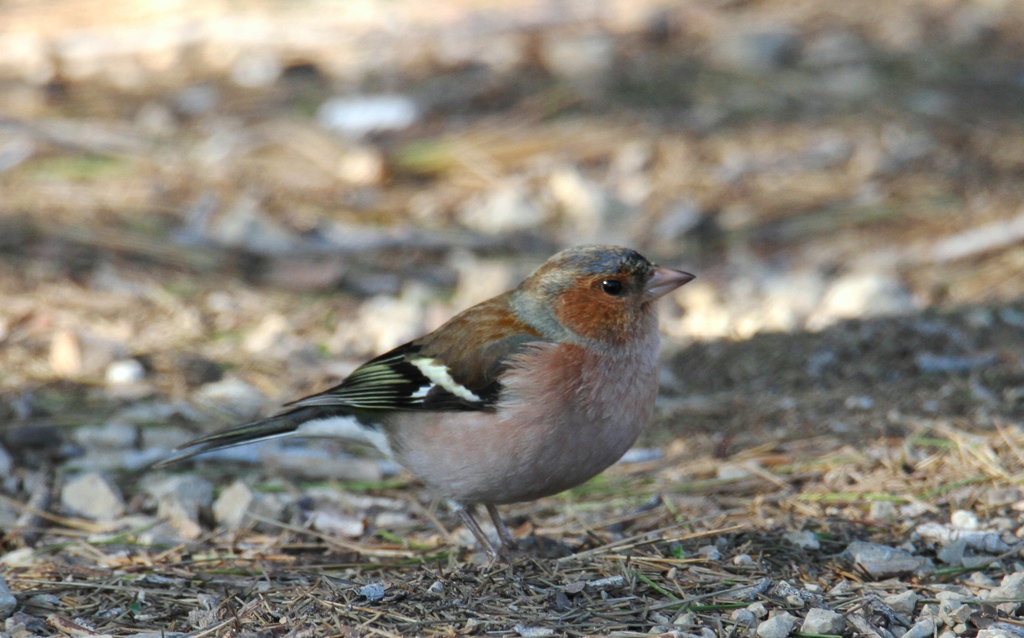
393	382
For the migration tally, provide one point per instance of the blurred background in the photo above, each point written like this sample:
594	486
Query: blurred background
210	207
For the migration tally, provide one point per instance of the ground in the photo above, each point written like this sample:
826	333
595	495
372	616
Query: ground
196	228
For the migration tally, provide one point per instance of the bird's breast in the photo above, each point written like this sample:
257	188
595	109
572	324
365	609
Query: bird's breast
565	414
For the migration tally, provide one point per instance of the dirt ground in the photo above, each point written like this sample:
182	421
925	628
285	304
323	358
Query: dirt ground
192	232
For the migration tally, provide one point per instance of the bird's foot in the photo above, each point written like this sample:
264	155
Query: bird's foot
506	550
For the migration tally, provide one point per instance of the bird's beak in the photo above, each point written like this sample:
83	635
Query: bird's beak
664	281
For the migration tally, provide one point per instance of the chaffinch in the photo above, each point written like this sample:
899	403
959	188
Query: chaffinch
522	396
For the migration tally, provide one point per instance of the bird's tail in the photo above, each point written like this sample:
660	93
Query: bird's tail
283	424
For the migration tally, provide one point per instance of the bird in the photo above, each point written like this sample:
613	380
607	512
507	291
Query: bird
522	396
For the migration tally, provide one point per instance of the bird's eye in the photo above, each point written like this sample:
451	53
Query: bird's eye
612	287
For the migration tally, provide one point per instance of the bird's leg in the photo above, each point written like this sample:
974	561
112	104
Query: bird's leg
507	541
467	518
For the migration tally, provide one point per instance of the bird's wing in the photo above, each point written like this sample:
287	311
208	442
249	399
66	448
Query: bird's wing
457	367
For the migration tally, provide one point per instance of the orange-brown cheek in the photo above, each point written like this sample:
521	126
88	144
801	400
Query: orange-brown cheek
592	317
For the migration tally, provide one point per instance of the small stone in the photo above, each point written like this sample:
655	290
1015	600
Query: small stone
923	628
154	531
777	626
732	471
883	511
803	539
1010	589
8	603
337	524
534	632
686	620
709	552
823	621
394	520
113	435
659	618
575	586
362	166
952	554
743	617
46	601
960	613
92	496
930	611
79	353
758	609
125	372
237	504
360	115
436	588
796	596
18	557
985	541
372	592
180	502
903	602
882	561
611	582
65	354
978	562
962	519
913	510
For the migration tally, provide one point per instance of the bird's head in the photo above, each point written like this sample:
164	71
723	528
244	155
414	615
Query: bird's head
595	293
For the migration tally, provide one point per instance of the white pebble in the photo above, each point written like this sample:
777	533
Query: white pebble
124	372
922	629
962	519
777	626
